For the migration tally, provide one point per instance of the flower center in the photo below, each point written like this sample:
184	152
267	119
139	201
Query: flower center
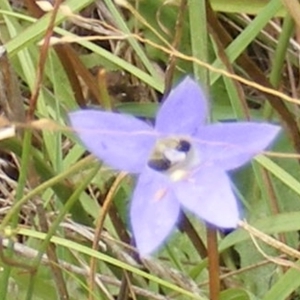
170	154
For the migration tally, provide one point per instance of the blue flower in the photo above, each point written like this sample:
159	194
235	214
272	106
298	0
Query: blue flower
182	161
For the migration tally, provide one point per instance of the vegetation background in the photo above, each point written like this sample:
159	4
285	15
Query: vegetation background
64	227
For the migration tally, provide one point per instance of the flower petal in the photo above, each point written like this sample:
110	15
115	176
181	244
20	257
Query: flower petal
154	211
184	110
208	194
230	145
123	142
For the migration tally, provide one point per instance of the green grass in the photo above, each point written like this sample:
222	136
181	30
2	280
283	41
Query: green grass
53	206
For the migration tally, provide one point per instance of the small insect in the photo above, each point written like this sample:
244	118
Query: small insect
183	146
169	153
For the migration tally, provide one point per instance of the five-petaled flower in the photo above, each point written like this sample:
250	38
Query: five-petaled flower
182	162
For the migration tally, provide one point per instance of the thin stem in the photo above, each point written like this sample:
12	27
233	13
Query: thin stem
175	44
99	226
198	33
25	162
213	263
279	58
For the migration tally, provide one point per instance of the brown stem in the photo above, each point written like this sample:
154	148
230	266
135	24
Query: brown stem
175	44
213	263
99	226
186	226
42	62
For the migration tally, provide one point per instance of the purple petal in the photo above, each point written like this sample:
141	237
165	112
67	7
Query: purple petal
184	110
208	194
154	211
122	142
230	145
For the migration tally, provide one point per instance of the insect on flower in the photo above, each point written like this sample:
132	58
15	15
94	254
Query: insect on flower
168	154
182	162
